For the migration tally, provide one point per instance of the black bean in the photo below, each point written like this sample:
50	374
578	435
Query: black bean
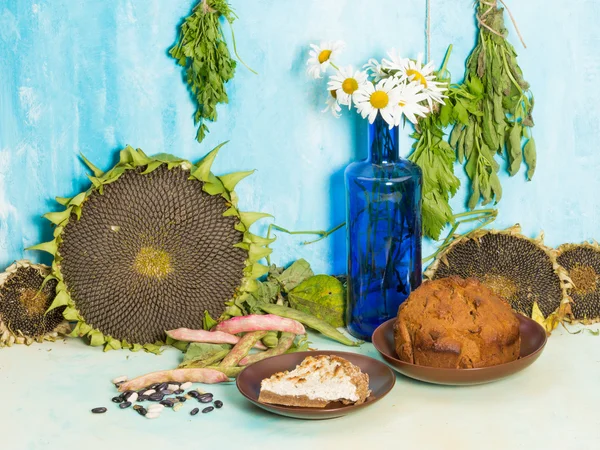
205	399
153	386
194	394
142	411
142	398
128	394
125	405
194	411
166	392
207	410
218	403
181	398
167	403
156	397
117	400
208	393
99	410
179	391
162	386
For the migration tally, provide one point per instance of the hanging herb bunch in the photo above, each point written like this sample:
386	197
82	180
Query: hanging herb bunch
491	110
202	50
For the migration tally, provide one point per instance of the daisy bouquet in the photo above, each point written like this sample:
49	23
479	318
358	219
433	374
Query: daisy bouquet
395	88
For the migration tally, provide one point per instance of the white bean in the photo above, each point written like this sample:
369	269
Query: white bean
149	392
172	387
185	385
133	397
152	415
120	379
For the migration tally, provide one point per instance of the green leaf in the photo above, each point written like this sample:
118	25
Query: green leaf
475	85
199	351
78	199
322	296
96	338
71	314
446	114
63	200
232	179
257	252
456	134
530	158
139	158
461	114
475	195
496	186
294	275
97	172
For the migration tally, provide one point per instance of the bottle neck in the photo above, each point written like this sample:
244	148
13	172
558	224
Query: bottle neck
383	143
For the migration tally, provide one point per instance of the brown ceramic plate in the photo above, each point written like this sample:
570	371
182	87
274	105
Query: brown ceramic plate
533	340
381	381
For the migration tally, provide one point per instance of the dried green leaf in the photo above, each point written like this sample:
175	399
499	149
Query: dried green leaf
530	158
294	275
322	296
515	151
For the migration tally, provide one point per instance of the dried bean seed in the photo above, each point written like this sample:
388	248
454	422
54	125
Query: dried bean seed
207	410
120	379
125	405
117	399
218	403
185	385
194	411
99	410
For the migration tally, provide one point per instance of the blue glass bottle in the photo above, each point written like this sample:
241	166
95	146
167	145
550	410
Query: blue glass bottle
383	225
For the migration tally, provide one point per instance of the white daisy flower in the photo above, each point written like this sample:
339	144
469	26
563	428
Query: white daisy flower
395	64
375	69
410	98
425	75
321	56
333	105
346	82
382	98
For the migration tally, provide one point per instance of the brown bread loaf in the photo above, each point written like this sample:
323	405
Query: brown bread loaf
456	323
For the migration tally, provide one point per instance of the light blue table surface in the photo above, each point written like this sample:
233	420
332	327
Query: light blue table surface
48	391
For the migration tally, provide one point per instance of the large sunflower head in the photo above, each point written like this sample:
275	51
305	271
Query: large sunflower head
156	243
25	295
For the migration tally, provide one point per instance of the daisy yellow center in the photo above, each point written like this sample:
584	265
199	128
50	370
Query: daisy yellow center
379	99
418	76
324	55
153	263
349	85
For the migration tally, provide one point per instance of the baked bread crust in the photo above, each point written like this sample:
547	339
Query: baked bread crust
458	324
326	367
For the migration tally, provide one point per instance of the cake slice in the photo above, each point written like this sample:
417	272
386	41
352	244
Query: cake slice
317	381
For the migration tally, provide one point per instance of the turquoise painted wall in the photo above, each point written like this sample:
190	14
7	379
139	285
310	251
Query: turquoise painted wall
92	76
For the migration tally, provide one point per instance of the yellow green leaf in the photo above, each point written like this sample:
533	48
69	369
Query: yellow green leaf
232	179
97	172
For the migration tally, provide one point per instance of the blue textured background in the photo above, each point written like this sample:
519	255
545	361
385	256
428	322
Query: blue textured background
93	76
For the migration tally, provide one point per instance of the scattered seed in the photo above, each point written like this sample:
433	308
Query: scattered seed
177	407
156	397
207	410
161	386
142	398
194	394
125	405
185	385
172	387
179	391
136	407
181	399
194	411
117	399
156	407
149	392
99	410
120	379
142	411
205	399
218	403
167	403
152	415
132	398
166	392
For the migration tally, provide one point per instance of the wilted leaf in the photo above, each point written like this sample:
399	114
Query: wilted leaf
323	297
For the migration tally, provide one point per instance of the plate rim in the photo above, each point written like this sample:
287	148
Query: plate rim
445	369
335	412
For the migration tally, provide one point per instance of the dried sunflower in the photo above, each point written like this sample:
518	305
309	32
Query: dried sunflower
156	243
25	295
519	269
